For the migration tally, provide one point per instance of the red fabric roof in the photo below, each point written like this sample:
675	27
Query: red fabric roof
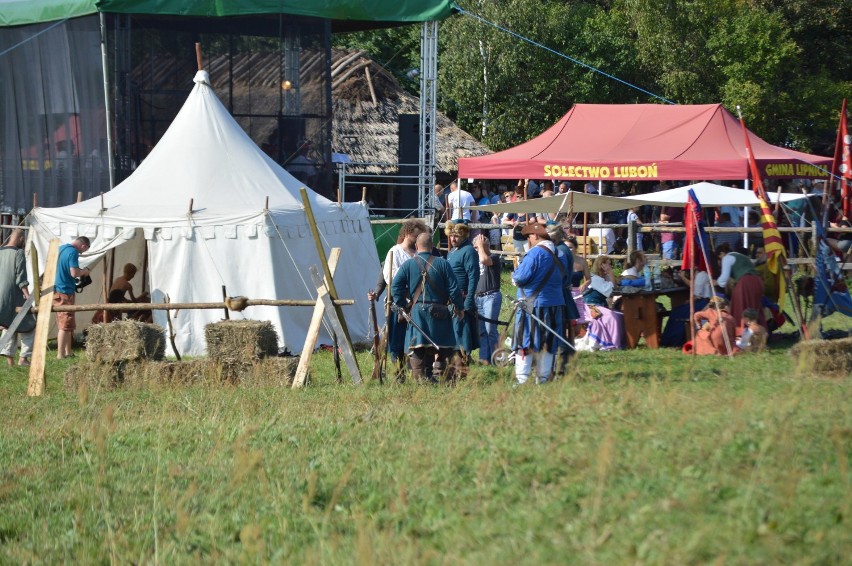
642	142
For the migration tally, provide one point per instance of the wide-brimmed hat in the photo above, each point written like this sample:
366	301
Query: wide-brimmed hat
535	228
555	232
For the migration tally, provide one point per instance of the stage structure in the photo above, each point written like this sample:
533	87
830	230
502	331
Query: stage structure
89	86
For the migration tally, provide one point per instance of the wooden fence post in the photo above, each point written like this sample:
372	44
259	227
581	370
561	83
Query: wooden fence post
313	330
35	388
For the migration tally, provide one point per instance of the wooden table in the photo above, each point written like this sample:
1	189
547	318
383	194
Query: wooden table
641	317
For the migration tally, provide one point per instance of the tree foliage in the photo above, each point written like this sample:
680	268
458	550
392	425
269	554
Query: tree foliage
785	62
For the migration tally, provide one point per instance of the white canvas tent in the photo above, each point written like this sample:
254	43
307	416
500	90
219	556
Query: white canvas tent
229	238
709	195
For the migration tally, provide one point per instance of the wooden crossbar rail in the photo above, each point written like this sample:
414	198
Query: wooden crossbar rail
673	227
189	306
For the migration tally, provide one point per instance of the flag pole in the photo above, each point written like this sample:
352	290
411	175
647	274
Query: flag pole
728	345
768	217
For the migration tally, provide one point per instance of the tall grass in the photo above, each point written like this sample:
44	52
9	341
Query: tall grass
640	456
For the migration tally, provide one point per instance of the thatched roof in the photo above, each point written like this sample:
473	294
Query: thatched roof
367	104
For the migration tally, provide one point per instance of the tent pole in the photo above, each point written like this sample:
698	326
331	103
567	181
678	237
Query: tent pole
747	186
107	102
692	274
631	238
145	268
104	288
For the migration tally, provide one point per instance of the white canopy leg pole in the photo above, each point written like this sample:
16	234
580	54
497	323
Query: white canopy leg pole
747	186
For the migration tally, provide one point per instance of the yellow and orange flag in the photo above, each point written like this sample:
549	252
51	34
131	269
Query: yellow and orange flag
773	244
776	255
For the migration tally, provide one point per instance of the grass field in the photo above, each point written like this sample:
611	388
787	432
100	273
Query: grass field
648	457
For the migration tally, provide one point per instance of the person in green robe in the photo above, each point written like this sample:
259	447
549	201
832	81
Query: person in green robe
464	260
13	293
426	288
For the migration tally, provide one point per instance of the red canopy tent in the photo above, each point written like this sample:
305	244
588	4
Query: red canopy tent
642	142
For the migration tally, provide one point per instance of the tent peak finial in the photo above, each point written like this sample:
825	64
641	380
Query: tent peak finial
202	77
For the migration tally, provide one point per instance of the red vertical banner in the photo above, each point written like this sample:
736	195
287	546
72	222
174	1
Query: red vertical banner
843	162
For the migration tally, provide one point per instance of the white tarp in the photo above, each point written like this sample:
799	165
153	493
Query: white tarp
709	195
230	238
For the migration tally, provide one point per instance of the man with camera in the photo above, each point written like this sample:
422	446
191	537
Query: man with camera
65	288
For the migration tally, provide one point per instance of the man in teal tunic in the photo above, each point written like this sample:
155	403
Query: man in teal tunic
465	263
426	287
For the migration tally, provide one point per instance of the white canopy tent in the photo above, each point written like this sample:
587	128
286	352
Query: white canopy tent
708	194
206	162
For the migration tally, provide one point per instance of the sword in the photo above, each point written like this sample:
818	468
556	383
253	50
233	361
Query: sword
544	324
16	322
407	317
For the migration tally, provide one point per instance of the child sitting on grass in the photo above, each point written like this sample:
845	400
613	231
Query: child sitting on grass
753	338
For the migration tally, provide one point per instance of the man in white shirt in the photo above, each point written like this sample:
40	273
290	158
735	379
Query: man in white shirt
458	204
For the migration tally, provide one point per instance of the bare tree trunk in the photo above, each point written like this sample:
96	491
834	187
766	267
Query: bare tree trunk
483	52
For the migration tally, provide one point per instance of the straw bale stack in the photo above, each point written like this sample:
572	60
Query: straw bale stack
269	372
823	357
91	375
124	341
274	372
240	342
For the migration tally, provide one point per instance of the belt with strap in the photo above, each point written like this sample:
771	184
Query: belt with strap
486	293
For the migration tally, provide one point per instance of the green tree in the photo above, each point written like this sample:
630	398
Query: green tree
507	90
785	62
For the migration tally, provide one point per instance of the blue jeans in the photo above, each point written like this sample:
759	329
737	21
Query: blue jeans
669	249
488	307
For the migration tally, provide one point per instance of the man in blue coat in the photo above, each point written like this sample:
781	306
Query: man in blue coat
539	279
426	287
464	260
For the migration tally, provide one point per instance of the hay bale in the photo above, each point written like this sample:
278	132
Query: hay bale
237	343
92	375
185	373
269	372
823	357
124	341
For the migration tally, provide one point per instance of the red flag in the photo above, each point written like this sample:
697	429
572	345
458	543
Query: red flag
696	243
842	163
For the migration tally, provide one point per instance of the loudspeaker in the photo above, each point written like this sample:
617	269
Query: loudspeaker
409	156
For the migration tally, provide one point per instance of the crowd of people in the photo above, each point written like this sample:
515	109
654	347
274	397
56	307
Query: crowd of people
449	201
448	307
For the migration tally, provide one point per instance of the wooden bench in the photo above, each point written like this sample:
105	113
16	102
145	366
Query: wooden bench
587	245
